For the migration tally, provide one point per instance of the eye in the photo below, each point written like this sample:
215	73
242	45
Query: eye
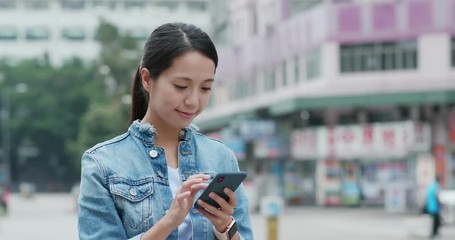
206	89
179	87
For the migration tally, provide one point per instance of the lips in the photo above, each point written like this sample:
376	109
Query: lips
186	115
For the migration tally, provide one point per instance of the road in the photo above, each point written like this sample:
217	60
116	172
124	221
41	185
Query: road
52	216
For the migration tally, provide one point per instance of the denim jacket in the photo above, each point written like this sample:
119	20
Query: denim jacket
125	187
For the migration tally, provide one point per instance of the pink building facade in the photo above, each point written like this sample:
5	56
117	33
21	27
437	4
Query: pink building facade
337	67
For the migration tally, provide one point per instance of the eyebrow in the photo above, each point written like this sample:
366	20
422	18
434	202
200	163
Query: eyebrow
189	79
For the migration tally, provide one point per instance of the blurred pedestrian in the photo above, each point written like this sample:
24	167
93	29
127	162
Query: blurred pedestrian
4	199
433	207
142	184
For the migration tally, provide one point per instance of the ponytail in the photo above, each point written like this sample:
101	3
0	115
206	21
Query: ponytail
139	99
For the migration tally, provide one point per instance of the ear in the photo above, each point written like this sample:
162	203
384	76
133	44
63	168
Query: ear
147	82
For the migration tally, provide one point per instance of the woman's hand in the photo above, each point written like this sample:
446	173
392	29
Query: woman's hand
220	217
184	198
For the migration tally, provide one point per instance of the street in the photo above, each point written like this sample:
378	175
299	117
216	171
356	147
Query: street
52	216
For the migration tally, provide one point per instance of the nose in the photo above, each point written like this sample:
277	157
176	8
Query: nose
192	100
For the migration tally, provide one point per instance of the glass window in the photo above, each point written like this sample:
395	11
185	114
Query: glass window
270	81
72	4
197	6
284	73
104	3
346	59
8	4
37	4
37	33
296	69
253	83
134	4
409	54
378	56
453	54
73	33
8	33
388	56
245	87
170	5
313	64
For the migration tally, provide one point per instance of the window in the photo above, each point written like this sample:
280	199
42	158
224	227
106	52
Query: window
8	33
453	55
407	52
104	3
296	69
270	80
284	73
73	33
72	4
134	4
170	5
253	83
385	56
37	4
197	6
244	86
313	64
8	4
37	33
298	6
232	90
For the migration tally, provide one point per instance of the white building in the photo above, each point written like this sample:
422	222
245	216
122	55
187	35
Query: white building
66	28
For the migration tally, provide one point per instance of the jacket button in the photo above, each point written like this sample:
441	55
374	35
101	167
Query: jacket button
153	153
133	191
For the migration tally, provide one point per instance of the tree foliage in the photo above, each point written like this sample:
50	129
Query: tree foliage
66	109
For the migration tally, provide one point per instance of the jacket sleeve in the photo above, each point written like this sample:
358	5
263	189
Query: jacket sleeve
241	212
97	217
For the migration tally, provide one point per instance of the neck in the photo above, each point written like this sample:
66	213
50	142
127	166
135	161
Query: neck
166	135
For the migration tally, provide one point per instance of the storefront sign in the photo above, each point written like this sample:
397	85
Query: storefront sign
271	148
256	129
381	140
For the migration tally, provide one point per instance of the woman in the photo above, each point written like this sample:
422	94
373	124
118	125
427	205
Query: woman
143	183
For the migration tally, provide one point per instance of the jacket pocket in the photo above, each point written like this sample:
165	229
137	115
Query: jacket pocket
132	199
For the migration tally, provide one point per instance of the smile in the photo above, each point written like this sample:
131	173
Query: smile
185	114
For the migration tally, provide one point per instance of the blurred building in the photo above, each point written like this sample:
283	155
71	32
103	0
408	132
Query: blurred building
338	101
62	29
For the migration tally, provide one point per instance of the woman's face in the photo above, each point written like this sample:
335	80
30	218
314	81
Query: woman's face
180	92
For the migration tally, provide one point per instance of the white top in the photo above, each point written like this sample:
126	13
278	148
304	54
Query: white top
185	229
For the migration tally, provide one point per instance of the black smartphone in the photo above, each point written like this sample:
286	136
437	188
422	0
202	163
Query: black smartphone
231	180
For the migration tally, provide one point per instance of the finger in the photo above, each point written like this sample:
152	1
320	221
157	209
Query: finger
211	209
190	182
207	214
224	205
197	187
203	176
183	195
232	197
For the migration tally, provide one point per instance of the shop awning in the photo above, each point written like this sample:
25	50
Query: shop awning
396	99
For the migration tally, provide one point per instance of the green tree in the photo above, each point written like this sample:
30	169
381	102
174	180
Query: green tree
116	65
47	116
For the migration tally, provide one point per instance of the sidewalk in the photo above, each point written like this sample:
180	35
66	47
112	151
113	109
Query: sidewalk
52	217
349	224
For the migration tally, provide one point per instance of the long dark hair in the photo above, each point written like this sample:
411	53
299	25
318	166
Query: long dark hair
164	44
